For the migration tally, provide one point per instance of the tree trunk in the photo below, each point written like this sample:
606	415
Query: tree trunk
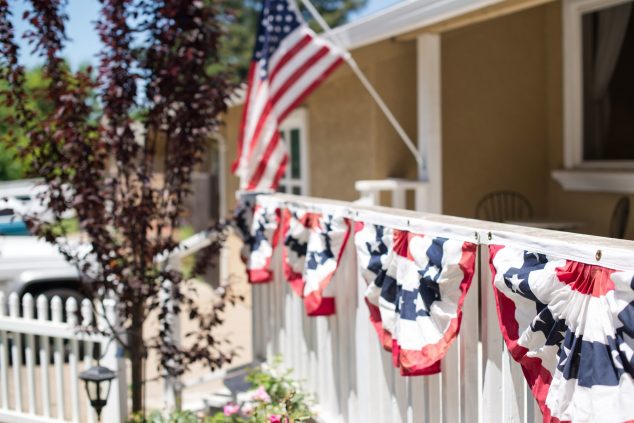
137	355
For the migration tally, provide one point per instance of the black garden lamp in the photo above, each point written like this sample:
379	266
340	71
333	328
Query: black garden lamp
97	380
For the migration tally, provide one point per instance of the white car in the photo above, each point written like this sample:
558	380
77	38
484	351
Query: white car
28	264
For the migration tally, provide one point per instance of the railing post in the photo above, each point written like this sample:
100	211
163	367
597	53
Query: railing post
492	347
369	198
172	388
116	410
398	198
421	198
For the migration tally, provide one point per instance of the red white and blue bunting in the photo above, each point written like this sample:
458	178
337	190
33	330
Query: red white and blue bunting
416	287
312	247
570	325
264	237
313	244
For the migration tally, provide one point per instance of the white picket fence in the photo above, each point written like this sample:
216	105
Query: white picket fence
342	363
42	352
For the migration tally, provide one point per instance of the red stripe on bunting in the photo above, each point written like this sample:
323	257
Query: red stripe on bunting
586	278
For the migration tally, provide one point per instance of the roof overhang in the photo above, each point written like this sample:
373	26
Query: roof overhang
402	18
406	19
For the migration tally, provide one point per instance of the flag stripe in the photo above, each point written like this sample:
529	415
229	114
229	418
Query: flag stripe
315	83
297	62
304	69
271	147
275	69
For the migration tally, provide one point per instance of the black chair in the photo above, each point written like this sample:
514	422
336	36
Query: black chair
502	206
621	212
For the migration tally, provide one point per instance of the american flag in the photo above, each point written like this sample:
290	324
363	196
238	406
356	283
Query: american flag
288	63
416	287
570	325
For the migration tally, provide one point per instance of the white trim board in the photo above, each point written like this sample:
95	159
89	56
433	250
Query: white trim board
572	12
429	119
403	17
621	182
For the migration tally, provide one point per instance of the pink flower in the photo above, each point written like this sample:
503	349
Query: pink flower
231	409
275	418
260	394
247	409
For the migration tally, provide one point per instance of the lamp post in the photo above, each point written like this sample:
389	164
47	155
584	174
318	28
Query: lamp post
97	380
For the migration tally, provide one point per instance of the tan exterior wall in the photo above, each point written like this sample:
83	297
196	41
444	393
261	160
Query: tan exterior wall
502	112
348	137
494	118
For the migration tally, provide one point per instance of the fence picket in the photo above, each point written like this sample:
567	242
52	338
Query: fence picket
45	354
58	358
86	315
16	352
29	352
4	357
30	325
450	376
468	343
73	359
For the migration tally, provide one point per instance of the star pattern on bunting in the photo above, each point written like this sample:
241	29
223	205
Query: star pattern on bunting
260	232
377	249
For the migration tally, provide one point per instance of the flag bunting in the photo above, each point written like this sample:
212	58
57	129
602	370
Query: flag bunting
570	325
416	285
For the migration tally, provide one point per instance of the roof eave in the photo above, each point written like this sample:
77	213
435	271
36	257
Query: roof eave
401	18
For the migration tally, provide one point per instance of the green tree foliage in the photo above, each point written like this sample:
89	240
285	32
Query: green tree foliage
241	17
12	167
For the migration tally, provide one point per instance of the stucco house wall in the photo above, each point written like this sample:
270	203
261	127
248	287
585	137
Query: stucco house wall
502	118
494	115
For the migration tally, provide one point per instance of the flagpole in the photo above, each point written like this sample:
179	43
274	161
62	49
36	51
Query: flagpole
373	93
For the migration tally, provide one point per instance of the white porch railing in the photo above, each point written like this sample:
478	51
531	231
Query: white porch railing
41	355
342	363
370	191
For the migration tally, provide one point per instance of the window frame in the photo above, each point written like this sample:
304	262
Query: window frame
297	119
573	11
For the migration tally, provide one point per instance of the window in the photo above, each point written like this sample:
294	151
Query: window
599	88
293	132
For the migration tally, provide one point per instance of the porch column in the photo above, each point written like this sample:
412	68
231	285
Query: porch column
429	119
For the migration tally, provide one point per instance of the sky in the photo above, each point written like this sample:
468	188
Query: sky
84	42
